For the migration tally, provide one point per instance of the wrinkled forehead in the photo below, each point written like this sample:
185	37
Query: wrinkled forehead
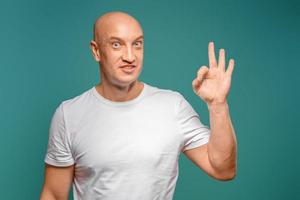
127	30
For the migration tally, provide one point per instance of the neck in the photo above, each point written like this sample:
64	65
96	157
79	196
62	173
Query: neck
120	93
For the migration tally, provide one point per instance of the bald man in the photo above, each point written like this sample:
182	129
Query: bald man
121	139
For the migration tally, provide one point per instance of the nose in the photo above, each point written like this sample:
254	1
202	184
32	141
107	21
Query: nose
128	55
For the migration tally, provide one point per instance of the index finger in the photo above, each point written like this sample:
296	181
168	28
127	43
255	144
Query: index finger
211	55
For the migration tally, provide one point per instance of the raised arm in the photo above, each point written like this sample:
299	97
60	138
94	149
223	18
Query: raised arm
218	157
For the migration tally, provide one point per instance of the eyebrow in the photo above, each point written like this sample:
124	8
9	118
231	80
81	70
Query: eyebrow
117	38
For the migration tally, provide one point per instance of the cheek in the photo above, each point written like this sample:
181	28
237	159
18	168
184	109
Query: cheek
112	59
140	55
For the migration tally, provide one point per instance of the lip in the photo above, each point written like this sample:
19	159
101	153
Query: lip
128	68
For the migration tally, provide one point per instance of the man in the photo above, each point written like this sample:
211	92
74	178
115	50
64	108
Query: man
122	138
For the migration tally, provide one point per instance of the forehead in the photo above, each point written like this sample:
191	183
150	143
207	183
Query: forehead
125	29
124	32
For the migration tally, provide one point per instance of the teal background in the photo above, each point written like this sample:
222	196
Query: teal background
45	59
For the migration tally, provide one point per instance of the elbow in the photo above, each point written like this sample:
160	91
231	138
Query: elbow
226	175
225	170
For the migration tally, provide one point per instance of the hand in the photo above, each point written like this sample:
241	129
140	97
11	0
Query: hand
212	84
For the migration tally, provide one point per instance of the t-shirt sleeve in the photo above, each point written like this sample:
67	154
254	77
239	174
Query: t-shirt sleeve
59	148
194	133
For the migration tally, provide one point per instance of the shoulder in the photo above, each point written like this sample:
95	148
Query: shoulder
173	98
77	102
166	99
72	110
163	93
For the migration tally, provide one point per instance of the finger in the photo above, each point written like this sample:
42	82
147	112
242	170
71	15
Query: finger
195	85
197	82
221	63
211	55
230	67
201	73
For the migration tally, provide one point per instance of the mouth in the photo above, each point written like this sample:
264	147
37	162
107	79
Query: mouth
128	68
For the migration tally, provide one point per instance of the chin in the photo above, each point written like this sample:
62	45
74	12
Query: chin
128	78
126	81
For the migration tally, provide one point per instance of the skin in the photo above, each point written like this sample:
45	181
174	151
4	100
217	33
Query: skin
116	84
118	41
217	158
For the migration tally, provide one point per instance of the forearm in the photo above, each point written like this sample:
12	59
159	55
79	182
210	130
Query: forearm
222	147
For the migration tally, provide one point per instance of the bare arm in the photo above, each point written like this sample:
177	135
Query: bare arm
218	157
57	182
222	147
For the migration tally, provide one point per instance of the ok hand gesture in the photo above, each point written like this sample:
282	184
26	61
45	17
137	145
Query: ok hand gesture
212	84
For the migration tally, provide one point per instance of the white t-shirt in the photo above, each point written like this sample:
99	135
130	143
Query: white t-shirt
124	150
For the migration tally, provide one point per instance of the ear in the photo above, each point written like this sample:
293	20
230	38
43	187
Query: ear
95	50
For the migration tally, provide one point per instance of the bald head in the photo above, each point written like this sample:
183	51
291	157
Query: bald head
118	43
110	22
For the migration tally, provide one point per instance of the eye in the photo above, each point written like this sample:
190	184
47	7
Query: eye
138	43
116	45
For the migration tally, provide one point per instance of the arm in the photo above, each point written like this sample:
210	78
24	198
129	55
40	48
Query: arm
222	147
218	157
57	182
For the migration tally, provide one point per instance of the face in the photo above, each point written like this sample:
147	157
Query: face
120	51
